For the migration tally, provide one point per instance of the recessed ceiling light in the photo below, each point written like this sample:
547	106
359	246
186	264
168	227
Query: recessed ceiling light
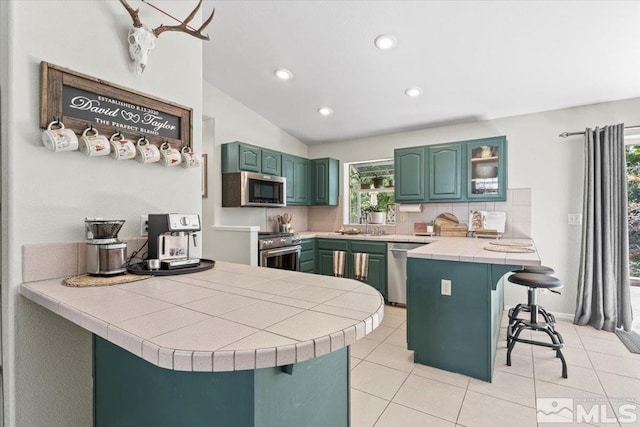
283	73
385	41
325	111
413	92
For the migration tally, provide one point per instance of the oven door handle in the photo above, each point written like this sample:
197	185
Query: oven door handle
282	251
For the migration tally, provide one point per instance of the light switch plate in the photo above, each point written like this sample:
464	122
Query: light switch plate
445	287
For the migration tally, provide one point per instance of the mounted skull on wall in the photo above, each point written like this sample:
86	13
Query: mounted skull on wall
142	40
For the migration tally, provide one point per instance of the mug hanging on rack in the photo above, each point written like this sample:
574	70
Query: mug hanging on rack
189	159
94	145
60	139
122	149
169	156
146	152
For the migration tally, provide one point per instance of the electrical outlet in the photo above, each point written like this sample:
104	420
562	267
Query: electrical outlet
575	219
144	225
445	287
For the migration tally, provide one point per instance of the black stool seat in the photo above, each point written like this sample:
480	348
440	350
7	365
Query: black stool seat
535	280
539	269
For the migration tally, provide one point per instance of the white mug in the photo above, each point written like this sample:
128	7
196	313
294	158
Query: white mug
60	139
189	159
122	149
169	156
94	145
145	152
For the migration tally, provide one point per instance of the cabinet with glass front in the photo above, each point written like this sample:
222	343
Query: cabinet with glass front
486	169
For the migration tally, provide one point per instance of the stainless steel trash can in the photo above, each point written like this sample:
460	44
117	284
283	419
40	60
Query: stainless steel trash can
338	263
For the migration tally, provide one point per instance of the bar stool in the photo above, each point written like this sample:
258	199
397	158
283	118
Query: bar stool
533	281
515	311
338	263
360	265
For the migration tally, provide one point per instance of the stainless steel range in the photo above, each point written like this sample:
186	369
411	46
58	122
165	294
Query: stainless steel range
279	250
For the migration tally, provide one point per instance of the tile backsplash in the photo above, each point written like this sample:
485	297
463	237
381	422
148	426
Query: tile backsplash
517	207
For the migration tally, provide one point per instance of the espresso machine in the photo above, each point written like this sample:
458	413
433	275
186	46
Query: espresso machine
169	236
105	254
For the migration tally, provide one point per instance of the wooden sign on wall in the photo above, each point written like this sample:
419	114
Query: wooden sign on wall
80	101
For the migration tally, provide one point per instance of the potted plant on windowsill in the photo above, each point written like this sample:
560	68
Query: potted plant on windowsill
376	214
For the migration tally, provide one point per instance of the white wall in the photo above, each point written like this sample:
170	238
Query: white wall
45	196
538	159
235	122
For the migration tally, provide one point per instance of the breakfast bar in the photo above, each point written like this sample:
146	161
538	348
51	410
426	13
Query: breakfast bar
455	300
235	345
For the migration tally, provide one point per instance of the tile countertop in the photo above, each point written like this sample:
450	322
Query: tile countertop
233	317
465	249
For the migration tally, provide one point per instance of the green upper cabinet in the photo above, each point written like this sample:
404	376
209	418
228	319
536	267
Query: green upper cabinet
410	174
238	156
271	162
487	169
461	171
296	170
324	181
445	172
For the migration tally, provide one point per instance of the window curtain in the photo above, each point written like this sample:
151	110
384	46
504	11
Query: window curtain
603	299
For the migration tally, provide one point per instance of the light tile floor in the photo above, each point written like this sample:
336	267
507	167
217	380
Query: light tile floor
388	389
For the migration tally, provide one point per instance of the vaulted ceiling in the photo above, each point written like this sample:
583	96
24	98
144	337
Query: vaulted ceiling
473	60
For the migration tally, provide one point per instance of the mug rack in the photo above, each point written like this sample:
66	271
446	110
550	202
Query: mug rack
78	101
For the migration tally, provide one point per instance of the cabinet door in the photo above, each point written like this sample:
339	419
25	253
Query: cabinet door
324	182
296	170
377	272
445	172
301	192
308	256
271	162
487	169
325	262
410	174
250	158
288	171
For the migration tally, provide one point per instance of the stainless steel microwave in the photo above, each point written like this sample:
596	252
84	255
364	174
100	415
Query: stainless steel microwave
246	189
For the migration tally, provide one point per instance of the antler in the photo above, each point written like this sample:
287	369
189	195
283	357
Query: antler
133	13
183	27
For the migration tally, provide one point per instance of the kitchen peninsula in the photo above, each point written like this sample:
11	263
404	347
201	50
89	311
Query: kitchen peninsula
235	345
455	301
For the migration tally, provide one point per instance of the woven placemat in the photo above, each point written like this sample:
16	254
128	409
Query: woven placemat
511	249
84	280
510	243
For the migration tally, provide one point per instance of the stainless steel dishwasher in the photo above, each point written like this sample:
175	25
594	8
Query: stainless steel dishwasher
397	270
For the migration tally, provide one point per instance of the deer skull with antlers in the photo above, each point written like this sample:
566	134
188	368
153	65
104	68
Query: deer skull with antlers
142	40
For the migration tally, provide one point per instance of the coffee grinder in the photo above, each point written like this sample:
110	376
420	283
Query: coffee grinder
169	236
106	255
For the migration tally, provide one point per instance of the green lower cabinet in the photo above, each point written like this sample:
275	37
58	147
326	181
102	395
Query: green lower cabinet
308	256
129	391
377	270
377	275
458	332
